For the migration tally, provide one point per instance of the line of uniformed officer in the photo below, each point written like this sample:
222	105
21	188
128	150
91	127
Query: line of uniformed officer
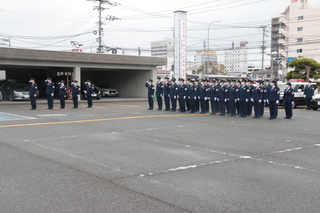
225	97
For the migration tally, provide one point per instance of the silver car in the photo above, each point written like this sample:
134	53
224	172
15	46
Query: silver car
108	91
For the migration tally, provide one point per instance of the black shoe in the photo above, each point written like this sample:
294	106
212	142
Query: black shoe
167	110
149	109
33	108
49	108
202	113
287	118
62	108
270	118
182	111
213	114
89	106
192	112
75	107
159	109
172	110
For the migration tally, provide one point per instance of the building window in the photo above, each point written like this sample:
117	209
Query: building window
299	39
300	17
300	28
299	50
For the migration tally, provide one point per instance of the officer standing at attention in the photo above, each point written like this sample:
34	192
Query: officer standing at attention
151	89
173	94
308	93
288	99
250	91
159	92
232	98
228	86
273	99
244	97
238	97
62	94
267	88
261	105
193	92
216	97
33	93
75	93
222	98
213	97
182	95
203	97
49	91
257	96
208	95
188	103
166	92
90	91
198	94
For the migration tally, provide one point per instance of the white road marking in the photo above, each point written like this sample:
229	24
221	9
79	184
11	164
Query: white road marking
52	115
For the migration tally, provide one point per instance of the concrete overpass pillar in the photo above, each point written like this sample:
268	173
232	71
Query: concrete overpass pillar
77	74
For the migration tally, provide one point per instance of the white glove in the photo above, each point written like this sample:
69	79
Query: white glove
265	101
235	100
161	95
195	98
225	100
238	99
151	96
251	99
175	97
205	98
292	103
198	97
260	101
247	100
52	94
78	96
209	98
277	102
35	95
188	97
184	97
169	95
268	101
215	99
304	96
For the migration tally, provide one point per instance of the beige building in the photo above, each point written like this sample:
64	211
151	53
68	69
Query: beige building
164	49
295	32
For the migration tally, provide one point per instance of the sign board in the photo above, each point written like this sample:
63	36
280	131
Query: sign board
210	52
180	47
291	59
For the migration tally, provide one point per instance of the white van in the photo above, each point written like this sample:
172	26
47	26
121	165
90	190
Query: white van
298	88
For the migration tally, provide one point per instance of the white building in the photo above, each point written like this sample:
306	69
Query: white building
295	32
164	48
236	59
202	57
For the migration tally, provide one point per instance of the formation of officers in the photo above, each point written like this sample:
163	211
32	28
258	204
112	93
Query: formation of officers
62	92
222	97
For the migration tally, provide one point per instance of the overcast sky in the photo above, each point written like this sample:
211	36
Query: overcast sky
48	24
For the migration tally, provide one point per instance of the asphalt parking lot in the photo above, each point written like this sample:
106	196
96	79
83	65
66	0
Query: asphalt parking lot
120	157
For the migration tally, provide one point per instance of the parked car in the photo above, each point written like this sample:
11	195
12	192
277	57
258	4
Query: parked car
14	91
96	94
298	88
0	96
108	91
315	102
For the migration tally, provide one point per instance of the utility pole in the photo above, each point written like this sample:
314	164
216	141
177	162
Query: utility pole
204	59
263	49
100	8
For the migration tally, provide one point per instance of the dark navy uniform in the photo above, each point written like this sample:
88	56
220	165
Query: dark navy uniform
288	99
90	92
203	91
261	105
49	92
244	97
213	98
227	97
159	94
267	89
198	96
222	99
151	89
193	92
232	99
182	96
208	97
62	94
216	98
273	99
75	94
238	98
309	92
257	96
33	94
173	94
166	92
250	102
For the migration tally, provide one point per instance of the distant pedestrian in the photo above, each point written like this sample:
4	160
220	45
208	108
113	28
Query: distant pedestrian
308	93
288	98
33	93
151	89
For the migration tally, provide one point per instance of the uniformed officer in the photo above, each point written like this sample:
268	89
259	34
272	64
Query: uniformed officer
75	93
244	97
182	95
273	99
267	88
216	97
232	98
208	95
166	92
33	93
49	91
193	92
62	94
203	97
151	89
213	98
257	96
222	98
188	101
250	102
173	94
308	93
227	86
237	97
198	94
90	92
159	92
288	99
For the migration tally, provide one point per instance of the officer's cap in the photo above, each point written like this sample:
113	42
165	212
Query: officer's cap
181	79
223	81
62	81
32	79
213	80
173	79
166	78
188	79
197	80
274	81
228	81
259	81
151	80
288	83
192	80
267	81
239	81
244	80
233	80
159	78
203	80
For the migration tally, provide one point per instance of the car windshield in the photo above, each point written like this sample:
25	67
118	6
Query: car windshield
19	87
282	87
104	86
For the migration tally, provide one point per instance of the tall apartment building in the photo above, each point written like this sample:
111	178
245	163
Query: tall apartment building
295	32
164	48
202	57
236	59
